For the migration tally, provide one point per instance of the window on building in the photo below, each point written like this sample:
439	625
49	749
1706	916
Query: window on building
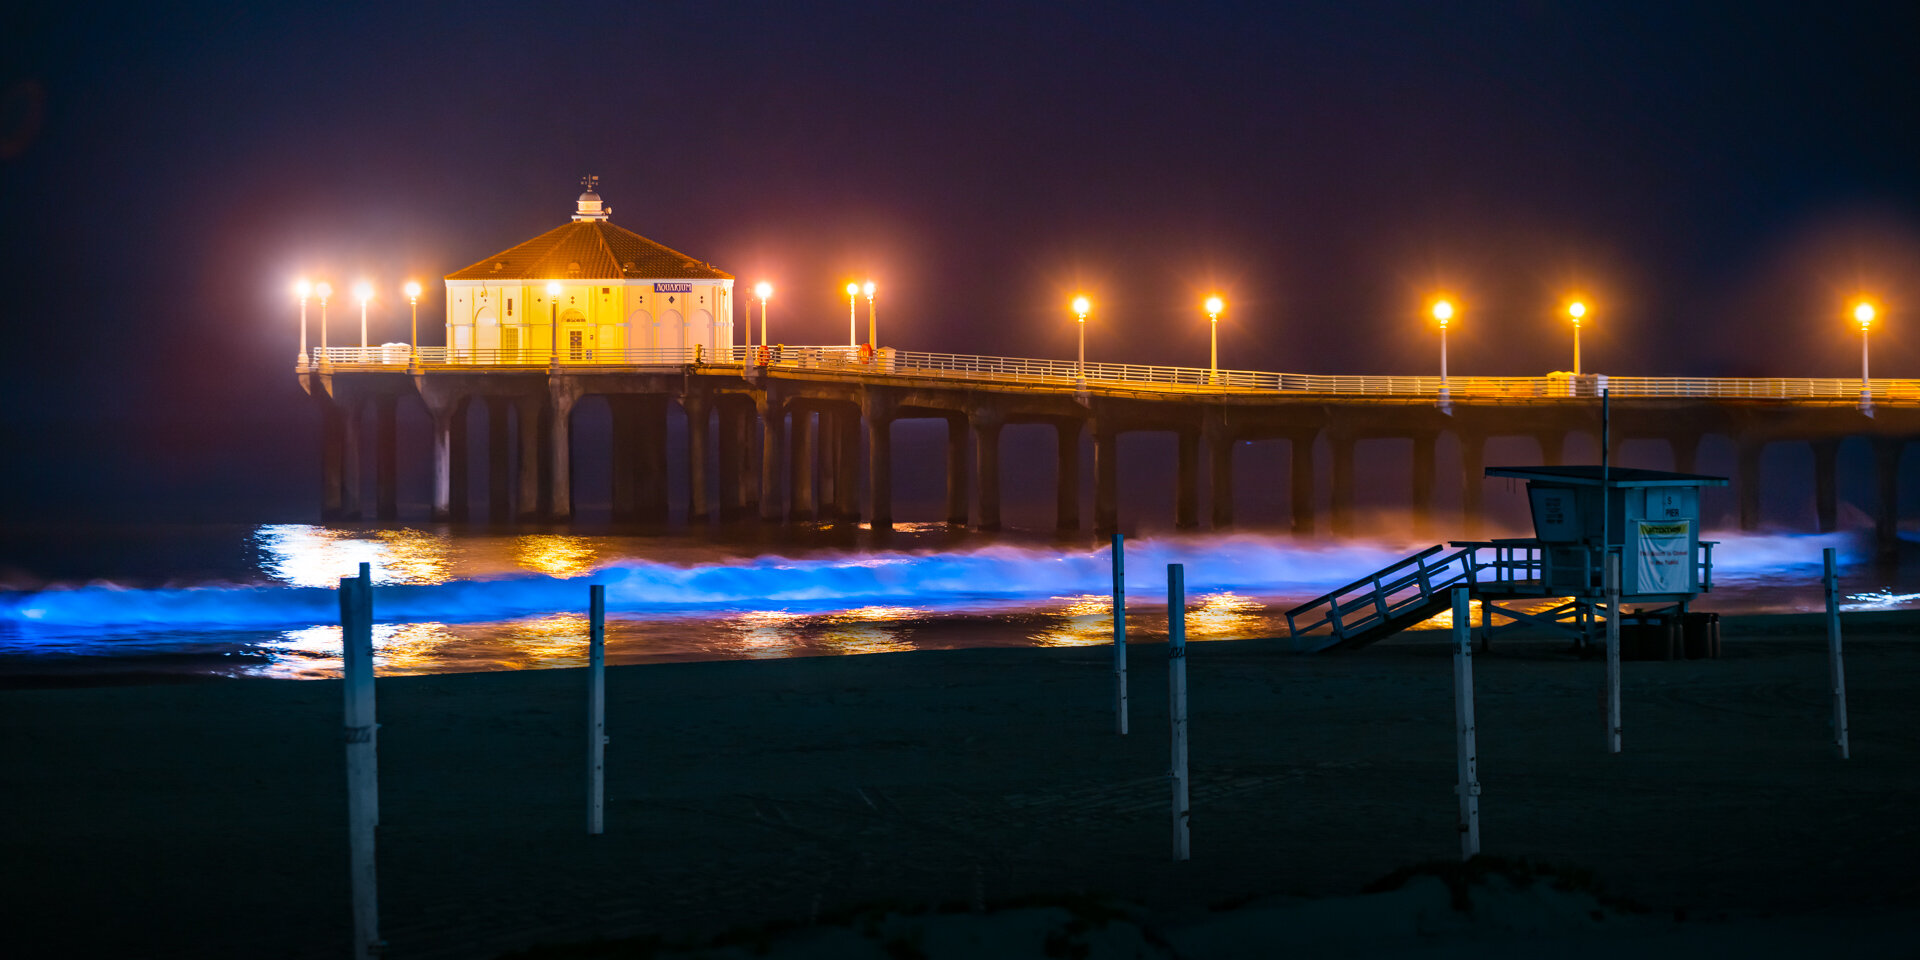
509	306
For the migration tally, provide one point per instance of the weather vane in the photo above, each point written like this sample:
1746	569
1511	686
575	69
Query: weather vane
591	182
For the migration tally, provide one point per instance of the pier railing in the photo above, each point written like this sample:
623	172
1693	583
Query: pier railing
958	366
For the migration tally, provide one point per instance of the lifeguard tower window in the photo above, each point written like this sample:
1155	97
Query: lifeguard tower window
1650	517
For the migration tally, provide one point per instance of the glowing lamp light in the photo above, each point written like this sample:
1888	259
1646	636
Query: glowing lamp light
323	290
302	289
1215	305
553	289
868	289
763	290
1082	306
363	291
1864	313
1576	310
413	290
853	289
1442	311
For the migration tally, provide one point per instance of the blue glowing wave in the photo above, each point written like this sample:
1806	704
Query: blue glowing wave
987	577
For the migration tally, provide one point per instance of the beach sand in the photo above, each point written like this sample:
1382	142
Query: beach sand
208	819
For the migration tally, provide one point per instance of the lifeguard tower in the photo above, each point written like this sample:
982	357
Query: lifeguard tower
1650	518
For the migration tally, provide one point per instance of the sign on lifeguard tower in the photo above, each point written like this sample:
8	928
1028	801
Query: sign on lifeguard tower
1650	517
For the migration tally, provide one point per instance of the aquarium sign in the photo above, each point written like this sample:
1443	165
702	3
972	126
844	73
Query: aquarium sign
673	288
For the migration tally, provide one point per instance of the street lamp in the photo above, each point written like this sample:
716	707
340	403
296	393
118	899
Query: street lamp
1443	312
413	297
1575	311
1864	312
873	340
853	327
1214	306
363	291
553	320
323	290
1081	307
302	289
764	291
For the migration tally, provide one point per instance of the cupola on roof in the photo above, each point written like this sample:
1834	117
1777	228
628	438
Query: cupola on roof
590	248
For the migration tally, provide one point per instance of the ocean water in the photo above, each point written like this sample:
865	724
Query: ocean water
237	600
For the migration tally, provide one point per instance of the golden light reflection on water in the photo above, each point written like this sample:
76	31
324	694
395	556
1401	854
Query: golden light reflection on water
1223	616
415	556
555	554
764	634
851	638
1088	620
405	649
308	556
869	614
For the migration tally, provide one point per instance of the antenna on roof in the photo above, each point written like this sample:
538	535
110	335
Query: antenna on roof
591	182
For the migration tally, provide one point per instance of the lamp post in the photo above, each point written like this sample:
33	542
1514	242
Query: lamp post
764	291
413	297
302	289
1575	311
1443	312
873	339
1214	306
1863	313
853	326
553	321
324	290
363	291
1081	307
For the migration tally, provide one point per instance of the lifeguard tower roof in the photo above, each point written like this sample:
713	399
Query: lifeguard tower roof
1588	475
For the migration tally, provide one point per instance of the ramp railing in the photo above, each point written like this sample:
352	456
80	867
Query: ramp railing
1389	594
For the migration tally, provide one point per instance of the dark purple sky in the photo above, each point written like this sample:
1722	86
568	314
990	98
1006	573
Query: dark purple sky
1717	181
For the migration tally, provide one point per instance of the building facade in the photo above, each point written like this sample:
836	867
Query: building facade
621	296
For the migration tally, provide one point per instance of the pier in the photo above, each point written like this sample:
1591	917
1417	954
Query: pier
795	434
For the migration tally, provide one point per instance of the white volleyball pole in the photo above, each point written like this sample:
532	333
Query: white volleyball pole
1613	652
1465	751
363	811
1836	670
597	711
1177	684
1119	634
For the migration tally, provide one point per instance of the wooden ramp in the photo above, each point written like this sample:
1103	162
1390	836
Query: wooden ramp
1384	603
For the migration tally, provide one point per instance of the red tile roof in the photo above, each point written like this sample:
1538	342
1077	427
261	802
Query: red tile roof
590	250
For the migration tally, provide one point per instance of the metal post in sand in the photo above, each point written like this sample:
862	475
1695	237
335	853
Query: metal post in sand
597	711
1613	652
1836	670
363	790
1465	751
1177	684
1119	634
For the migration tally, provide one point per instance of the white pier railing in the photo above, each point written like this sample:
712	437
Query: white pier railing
958	366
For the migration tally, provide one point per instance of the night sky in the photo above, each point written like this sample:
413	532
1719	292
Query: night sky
1716	181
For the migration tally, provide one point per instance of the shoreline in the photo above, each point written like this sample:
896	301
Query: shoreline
208	818
1146	628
